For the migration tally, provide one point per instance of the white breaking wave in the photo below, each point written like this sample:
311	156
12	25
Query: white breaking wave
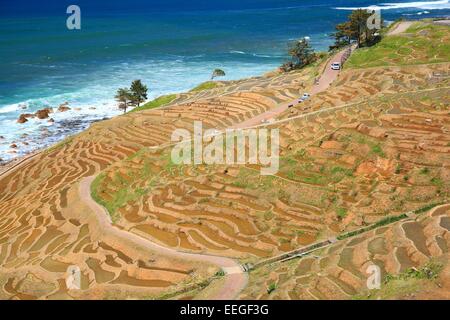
93	100
10	108
258	55
424	5
238	52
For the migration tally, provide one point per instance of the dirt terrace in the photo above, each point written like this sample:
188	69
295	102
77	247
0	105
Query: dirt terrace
45	227
376	143
340	270
353	160
355	86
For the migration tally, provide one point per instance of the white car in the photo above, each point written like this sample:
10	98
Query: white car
335	66
305	97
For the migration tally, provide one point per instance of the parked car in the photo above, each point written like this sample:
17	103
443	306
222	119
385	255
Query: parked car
335	66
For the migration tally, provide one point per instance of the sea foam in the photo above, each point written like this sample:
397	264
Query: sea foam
424	5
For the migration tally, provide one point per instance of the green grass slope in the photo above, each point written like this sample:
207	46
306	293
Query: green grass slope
422	43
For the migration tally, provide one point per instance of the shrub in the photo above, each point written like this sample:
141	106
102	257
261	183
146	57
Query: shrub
271	288
220	273
425	170
429	272
378	150
341	213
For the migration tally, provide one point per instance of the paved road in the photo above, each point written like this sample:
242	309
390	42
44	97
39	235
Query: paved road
325	80
444	22
400	27
235	278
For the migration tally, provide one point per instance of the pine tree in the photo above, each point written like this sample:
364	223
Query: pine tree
138	92
217	73
123	97
355	28
302	54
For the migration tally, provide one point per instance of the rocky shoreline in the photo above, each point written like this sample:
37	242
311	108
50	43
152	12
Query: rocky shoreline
8	165
45	113
45	136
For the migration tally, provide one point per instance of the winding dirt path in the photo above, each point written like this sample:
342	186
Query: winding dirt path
235	278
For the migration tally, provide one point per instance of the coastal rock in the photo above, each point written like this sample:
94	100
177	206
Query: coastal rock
51	120
64	107
2	137
77	109
13	146
44	113
92	108
22	119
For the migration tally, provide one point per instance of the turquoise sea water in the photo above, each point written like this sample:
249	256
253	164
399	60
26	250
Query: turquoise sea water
171	45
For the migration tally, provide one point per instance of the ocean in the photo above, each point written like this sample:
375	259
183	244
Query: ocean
171	45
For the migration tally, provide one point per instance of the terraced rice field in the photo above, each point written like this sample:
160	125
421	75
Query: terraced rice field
45	227
340	270
377	143
340	170
355	86
200	209
378	165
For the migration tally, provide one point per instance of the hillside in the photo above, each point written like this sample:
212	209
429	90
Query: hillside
374	145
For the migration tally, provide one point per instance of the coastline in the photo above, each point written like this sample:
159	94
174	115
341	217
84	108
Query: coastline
8	165
108	205
40	135
8	158
94	101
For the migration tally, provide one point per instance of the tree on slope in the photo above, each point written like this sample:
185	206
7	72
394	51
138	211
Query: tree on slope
138	92
301	53
217	73
342	36
123	97
358	25
355	28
